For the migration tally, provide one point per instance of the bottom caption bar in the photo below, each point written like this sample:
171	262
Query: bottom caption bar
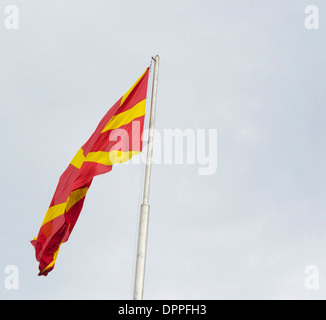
160	309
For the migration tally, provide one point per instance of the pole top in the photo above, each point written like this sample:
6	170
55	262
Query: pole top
156	58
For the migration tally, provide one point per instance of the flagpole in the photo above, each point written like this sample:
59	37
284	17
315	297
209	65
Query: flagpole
144	211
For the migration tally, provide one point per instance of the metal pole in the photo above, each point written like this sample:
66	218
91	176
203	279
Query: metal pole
144	211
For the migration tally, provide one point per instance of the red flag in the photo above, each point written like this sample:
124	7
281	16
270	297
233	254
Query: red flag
116	139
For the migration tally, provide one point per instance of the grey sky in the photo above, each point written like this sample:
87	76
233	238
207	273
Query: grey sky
249	69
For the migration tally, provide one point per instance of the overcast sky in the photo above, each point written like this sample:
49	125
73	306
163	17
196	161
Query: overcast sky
248	69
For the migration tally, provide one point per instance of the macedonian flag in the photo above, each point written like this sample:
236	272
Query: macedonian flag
116	139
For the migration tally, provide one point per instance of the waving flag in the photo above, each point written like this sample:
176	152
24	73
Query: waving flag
116	139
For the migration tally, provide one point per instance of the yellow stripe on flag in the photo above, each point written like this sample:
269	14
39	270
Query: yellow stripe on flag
125	96
54	259
54	212
78	159
125	117
75	196
59	209
110	158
